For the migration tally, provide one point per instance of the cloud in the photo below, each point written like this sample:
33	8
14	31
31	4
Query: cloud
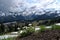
20	5
5	5
27	8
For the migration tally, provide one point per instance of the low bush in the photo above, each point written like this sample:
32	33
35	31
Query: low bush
30	30
23	34
27	32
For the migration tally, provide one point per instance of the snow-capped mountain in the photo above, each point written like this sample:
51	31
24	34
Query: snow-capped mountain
31	14
14	10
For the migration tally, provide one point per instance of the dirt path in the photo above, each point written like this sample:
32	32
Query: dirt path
46	35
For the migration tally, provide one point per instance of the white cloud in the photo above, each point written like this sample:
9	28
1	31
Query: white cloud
38	3
20	5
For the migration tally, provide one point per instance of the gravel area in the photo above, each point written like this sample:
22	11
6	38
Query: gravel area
45	35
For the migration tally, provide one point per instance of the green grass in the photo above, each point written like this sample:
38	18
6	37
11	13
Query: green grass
55	27
9	39
42	28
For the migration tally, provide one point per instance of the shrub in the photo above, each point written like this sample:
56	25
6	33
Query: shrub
27	32
30	30
23	34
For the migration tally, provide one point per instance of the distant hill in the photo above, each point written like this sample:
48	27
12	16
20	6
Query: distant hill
30	15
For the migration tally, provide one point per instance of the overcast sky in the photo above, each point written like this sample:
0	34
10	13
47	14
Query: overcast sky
18	5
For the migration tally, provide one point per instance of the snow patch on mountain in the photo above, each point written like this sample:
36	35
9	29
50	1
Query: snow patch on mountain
27	8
